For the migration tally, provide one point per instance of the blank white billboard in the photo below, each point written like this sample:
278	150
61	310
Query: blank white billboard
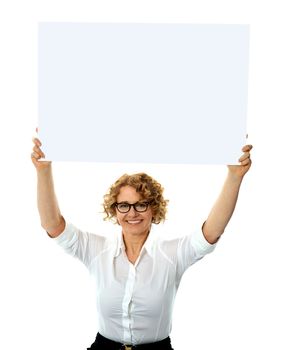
149	93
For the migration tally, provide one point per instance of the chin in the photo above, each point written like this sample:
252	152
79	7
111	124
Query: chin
136	230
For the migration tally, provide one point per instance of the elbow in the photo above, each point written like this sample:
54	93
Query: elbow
55	228
212	239
211	236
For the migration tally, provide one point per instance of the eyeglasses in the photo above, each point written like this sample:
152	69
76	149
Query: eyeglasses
124	207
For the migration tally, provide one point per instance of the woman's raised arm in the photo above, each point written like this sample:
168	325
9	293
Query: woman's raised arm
50	216
224	207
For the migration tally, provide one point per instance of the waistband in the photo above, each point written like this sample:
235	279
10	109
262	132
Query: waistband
102	343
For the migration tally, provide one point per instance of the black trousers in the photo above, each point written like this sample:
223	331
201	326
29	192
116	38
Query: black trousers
102	343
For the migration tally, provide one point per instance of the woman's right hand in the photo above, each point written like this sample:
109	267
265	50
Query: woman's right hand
37	154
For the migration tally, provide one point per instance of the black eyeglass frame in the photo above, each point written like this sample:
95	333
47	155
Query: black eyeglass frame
132	205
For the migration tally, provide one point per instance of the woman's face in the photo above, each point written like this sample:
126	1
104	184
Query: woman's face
133	222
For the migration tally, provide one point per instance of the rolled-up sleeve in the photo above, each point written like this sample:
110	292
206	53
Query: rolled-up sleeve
83	245
191	249
200	244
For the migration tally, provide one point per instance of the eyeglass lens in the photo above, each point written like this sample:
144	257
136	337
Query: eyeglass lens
125	207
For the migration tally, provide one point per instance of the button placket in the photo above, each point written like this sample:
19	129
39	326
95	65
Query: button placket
126	305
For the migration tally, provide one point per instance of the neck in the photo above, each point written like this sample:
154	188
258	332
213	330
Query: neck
133	243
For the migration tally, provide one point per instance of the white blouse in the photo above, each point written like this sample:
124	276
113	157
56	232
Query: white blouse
135	302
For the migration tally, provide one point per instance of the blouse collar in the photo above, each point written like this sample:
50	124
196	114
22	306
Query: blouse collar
148	245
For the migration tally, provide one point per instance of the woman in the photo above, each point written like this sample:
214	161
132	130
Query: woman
137	274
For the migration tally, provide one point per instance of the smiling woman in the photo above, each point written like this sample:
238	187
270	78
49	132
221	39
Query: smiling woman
135	224
137	273
149	189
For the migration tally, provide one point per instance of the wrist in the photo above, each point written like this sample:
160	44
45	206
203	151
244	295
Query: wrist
234	177
44	170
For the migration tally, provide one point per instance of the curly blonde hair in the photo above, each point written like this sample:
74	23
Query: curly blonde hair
149	189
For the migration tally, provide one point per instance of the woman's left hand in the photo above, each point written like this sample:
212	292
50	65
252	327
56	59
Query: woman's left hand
245	163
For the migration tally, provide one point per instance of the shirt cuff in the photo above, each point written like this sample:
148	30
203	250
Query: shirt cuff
68	236
200	243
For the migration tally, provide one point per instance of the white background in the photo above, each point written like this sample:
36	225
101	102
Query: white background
233	298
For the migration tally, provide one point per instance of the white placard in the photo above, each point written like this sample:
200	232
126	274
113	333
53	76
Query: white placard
149	93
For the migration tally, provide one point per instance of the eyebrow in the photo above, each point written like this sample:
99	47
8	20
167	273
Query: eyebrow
126	202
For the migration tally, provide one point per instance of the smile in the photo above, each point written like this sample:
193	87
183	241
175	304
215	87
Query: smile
134	222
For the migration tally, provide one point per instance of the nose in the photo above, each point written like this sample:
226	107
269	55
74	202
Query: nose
132	212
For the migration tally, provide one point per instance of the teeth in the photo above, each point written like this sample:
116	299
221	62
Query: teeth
134	221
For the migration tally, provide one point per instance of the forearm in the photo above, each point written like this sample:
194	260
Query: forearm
223	208
50	215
